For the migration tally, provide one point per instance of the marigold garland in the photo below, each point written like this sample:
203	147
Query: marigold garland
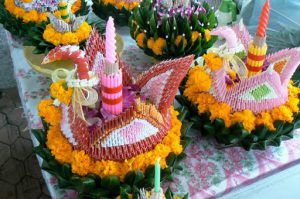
199	82
69	38
60	91
33	15
82	164
50	113
120	4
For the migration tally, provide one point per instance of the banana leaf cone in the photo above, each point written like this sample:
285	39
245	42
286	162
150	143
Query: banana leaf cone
172	36
120	13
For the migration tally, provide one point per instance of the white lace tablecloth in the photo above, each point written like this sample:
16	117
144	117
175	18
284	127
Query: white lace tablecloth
207	171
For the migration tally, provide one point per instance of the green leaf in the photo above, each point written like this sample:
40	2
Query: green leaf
67	171
134	178
39	135
111	182
171	159
186	126
124	194
210	129
88	184
169	194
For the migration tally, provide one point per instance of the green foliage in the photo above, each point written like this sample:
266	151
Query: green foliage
15	26
237	135
93	186
104	11
145	20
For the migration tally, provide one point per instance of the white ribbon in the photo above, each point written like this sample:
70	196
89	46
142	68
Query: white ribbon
83	92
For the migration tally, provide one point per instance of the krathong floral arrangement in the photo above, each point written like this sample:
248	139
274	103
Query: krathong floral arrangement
19	16
106	129
119	9
243	96
169	28
63	29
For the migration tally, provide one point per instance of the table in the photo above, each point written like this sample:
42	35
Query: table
207	171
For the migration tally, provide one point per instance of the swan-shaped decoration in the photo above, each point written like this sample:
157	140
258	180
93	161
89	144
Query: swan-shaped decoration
143	123
263	91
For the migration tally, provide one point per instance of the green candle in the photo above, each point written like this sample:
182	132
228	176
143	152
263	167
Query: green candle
157	177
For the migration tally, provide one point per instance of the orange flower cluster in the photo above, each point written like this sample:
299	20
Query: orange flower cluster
120	4
68	38
60	91
33	15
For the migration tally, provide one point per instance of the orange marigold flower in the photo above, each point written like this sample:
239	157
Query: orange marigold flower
158	46
140	39
178	39
207	34
198	81
213	61
246	117
265	118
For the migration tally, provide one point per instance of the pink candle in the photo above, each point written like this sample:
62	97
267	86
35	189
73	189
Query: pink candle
111	81
264	20
110	42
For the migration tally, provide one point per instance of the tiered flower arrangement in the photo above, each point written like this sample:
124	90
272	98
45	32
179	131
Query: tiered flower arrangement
119	9
106	145
64	29
166	28
244	98
19	16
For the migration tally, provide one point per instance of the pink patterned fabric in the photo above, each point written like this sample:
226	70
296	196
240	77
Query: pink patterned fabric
210	173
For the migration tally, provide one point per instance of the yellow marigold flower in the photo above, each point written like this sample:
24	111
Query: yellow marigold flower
265	118
158	46
293	90
26	1
150	42
120	5
140	39
204	100
207	34
198	81
195	36
71	38
32	15
293	104
80	163
61	93
282	113
178	40
213	61
49	112
176	197
222	111
246	117
59	145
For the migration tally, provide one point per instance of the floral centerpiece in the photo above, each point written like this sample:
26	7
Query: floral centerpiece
242	96
64	29
166	29
119	9
19	16
103	130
